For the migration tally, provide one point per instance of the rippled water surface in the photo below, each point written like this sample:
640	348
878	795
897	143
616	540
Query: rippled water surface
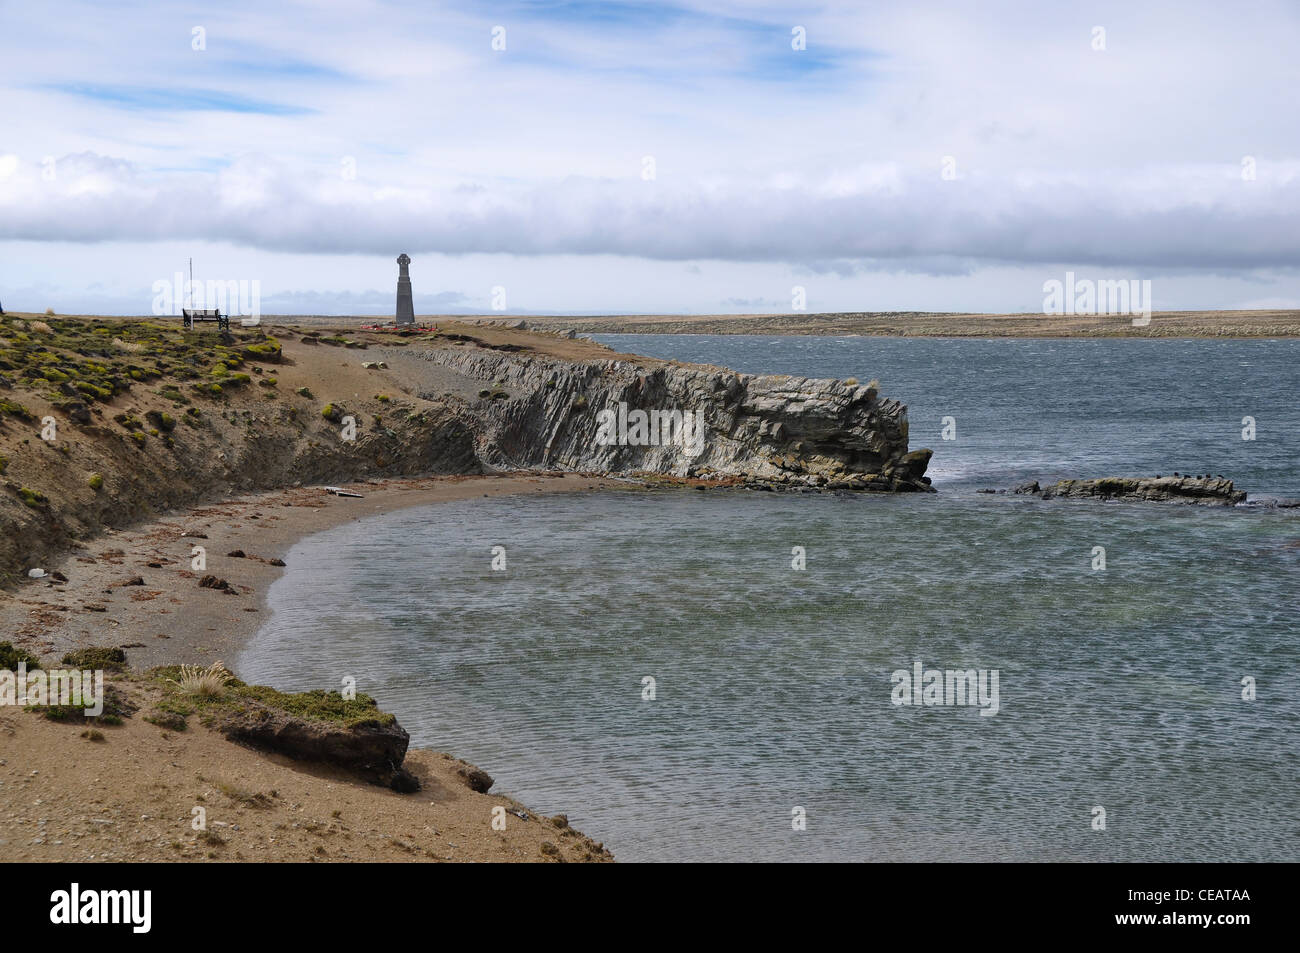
1055	409
1118	688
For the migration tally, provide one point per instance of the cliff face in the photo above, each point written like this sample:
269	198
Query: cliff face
542	412
107	422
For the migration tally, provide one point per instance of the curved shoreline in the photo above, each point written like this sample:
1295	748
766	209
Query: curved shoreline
95	607
135	589
1213	325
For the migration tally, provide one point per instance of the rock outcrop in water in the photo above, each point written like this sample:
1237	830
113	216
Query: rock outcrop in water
1206	490
538	412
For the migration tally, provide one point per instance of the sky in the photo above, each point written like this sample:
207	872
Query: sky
629	157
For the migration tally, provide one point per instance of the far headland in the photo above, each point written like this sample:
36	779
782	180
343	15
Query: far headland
1164	324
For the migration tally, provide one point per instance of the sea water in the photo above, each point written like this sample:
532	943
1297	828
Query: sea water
653	665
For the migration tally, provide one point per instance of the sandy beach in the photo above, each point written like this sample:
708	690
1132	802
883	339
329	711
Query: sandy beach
167	618
131	795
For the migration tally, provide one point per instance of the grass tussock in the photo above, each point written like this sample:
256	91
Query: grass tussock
245	798
210	682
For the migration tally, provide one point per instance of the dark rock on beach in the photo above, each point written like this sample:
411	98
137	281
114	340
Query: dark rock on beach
476	779
373	748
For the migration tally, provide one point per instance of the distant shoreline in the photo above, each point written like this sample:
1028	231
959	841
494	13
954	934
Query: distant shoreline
1277	323
1164	324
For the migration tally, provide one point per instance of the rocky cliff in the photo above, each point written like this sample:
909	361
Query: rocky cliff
540	412
105	422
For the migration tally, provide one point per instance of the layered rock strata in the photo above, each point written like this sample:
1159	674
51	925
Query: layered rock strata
537	412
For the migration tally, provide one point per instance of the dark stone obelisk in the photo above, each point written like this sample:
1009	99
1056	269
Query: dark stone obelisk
405	307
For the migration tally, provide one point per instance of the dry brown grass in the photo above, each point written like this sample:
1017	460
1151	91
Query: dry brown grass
207	682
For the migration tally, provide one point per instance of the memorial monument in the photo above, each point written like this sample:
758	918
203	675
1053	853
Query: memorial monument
405	308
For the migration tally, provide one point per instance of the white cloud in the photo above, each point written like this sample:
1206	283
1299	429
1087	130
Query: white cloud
1203	217
1124	159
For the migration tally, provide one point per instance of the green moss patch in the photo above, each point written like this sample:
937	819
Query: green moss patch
314	705
107	657
267	351
15	409
116	707
10	657
171	713
33	498
320	705
161	420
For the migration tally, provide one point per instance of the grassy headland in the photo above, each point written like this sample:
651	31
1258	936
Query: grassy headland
108	422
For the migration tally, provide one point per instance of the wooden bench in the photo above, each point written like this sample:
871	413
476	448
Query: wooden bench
192	315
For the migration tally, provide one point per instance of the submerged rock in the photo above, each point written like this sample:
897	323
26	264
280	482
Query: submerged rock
1207	490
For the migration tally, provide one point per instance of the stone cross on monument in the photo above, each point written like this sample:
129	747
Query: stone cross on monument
405	307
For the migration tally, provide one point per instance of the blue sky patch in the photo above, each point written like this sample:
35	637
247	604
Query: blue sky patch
176	99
